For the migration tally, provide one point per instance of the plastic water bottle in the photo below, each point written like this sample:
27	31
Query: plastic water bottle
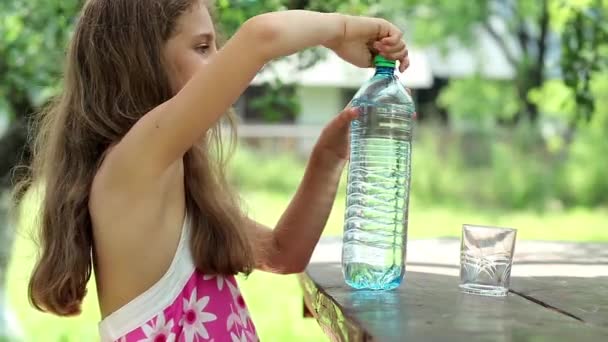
375	227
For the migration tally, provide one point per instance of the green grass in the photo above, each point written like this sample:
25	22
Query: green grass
276	301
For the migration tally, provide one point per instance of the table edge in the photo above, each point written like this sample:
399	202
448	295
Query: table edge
321	304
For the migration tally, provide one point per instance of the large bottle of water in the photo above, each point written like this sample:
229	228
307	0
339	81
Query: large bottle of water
375	227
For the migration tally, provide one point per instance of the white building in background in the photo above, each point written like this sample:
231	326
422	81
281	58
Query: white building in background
324	89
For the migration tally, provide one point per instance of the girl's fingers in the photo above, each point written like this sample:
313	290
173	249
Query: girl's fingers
392	39
390	48
396	56
404	64
378	46
398	46
346	116
351	113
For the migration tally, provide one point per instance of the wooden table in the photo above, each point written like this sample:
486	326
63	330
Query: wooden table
430	307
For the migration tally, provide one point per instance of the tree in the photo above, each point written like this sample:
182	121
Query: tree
584	55
584	59
559	50
520	28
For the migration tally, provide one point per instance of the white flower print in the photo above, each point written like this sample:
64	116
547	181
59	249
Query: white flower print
233	289
158	331
239	302
232	319
219	280
251	336
195	318
236	338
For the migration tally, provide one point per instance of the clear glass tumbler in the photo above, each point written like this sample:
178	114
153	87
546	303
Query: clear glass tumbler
486	256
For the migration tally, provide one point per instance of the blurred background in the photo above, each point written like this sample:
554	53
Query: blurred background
512	100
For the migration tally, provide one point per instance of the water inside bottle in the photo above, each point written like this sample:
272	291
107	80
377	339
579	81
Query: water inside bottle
377	194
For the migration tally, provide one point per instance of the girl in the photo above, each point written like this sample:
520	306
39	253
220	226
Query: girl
131	164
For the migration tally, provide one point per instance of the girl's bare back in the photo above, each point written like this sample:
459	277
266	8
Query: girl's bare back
136	236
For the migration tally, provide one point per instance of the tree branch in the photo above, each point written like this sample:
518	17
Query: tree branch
523	37
512	6
501	43
516	24
542	42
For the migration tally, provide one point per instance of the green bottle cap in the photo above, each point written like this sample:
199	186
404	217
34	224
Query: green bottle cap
380	61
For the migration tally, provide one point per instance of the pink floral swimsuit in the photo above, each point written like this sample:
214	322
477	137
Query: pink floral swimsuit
184	305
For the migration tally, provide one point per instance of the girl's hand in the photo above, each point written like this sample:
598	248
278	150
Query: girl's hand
334	143
363	37
333	146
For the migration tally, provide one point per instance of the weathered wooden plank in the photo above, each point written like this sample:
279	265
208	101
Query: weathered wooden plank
429	307
329	314
583	298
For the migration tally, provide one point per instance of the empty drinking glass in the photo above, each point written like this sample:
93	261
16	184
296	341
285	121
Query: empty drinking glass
486	256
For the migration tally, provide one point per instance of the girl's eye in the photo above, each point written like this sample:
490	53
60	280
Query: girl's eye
202	48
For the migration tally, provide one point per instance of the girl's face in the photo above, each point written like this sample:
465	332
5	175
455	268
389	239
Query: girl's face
192	43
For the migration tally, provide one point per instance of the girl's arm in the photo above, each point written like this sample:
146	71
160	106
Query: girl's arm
288	248
164	134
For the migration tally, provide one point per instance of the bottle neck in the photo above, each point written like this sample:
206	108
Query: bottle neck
382	70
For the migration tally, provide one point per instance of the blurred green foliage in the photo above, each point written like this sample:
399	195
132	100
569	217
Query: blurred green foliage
495	170
33	34
277	102
251	171
499	100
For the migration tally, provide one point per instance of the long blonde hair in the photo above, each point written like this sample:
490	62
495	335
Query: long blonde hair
114	75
